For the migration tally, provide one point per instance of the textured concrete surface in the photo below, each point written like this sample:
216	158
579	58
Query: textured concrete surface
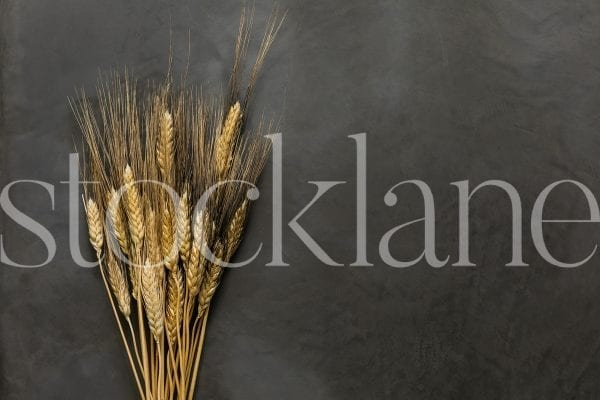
446	90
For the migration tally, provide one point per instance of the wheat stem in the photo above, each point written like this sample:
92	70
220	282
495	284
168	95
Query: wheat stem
198	354
131	363
142	336
135	346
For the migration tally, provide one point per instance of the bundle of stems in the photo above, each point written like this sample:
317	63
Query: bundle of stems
171	172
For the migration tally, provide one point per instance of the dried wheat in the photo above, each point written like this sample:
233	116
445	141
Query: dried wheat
169	251
169	135
118	283
226	140
119	225
211	280
134	208
94	221
235	229
165	149
174	306
153	295
184	232
195	269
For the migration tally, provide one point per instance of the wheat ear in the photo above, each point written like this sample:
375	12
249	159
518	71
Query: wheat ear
152	243
167	240
224	253
118	222
164	150
153	295
94	221
226	140
211	281
120	288
236	229
133	206
184	232
174	306
195	269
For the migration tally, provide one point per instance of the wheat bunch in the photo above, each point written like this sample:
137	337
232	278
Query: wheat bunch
153	154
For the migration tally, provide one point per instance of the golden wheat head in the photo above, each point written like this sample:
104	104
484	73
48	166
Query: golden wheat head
94	221
133	203
226	139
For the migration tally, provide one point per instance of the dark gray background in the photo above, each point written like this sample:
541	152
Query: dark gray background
447	90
